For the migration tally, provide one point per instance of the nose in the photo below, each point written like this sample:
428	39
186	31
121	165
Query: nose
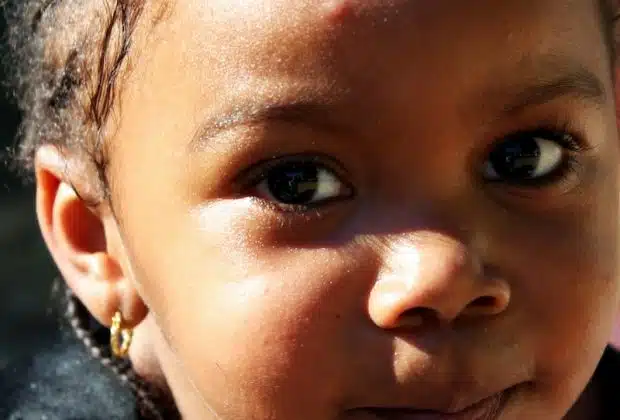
434	279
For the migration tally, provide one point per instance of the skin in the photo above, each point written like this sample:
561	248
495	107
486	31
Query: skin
427	286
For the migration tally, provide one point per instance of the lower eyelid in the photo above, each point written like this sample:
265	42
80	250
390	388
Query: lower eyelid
291	213
568	179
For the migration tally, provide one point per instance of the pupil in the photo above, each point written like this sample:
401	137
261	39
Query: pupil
516	159
293	183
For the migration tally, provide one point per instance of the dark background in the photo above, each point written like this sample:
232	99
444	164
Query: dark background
26	271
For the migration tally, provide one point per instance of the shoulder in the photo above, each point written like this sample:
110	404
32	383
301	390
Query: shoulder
62	382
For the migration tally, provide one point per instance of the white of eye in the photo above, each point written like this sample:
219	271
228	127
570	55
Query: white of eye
328	186
551	154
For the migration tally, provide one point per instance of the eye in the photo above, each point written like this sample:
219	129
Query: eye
300	183
528	157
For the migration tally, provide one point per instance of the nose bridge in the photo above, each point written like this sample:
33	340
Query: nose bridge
439	258
433	275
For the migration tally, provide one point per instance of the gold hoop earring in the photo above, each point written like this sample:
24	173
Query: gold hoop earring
120	338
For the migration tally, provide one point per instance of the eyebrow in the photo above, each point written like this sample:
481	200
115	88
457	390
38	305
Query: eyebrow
556	77
550	78
316	114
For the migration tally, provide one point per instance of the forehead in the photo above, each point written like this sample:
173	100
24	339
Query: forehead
266	46
300	38
251	19
395	60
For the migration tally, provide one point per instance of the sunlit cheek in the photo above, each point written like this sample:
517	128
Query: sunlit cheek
246	307
240	316
251	279
252	233
229	223
237	339
258	333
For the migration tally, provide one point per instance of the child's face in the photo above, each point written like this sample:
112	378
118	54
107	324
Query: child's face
447	242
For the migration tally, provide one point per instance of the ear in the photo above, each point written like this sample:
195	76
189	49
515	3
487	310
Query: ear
84	241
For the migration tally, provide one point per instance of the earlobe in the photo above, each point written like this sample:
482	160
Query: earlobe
77	236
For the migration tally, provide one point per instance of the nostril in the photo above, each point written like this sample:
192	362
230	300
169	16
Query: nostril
417	317
484	301
484	305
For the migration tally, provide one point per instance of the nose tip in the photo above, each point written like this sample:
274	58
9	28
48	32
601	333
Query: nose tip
434	281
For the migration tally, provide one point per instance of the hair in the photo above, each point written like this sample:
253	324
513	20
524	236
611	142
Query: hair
65	87
66	90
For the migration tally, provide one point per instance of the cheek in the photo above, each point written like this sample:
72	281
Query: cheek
250	321
566	288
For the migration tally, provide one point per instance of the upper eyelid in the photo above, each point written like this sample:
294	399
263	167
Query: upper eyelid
563	137
575	139
258	170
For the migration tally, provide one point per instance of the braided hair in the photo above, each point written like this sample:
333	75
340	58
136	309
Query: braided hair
152	402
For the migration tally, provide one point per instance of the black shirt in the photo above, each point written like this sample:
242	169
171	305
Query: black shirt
64	382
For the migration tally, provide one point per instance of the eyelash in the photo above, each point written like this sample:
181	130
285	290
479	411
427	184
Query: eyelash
561	130
251	177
